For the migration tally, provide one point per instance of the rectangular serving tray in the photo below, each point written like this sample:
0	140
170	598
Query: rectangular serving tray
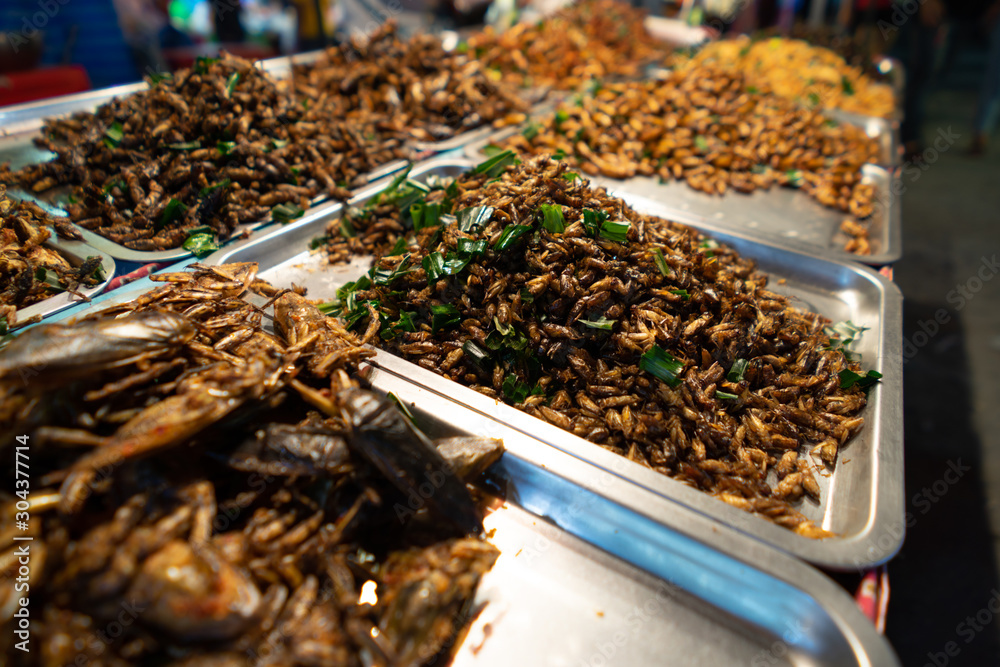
862	499
782	216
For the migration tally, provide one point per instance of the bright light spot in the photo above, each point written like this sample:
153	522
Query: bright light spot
884	66
368	595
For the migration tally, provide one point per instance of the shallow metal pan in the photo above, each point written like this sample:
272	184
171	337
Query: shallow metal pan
592	574
587	577
76	252
862	500
782	216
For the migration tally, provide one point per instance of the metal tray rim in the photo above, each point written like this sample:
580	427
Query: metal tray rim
59	302
885	516
670	520
893	221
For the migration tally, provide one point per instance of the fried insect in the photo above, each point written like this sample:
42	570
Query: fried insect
807	74
216	145
593	39
714	131
430	93
30	271
638	334
184	482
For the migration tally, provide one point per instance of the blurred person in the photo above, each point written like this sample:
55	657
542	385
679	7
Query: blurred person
989	92
142	22
312	29
226	17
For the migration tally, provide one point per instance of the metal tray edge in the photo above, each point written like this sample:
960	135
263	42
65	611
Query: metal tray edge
854	552
59	302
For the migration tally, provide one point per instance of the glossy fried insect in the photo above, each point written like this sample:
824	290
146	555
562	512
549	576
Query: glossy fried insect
184	482
638	334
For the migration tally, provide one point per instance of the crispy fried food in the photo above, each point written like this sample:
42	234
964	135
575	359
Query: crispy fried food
638	334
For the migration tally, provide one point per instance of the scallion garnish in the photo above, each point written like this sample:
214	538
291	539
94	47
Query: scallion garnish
444	316
661	261
661	364
510	235
737	370
286	212
552	218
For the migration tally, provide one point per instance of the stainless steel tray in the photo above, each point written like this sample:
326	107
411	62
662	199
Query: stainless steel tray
862	501
885	131
592	574
586	577
782	216
75	252
20	124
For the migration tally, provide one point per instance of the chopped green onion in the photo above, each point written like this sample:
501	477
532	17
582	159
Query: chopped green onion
225	147
593	221
231	82
552	218
174	209
701	143
496	165
286	212
661	261
737	370
490	150
425	215
603	323
202	63
849	378
683	293
478	355
444	316
277	144
661	364
473	218
846	85
156	77
346	228
470	247
559	154
318	242
510	235
531	130
813	99
388	276
572	176
433	266
794	178
722	395
201	244
224	183
615	231
113	135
